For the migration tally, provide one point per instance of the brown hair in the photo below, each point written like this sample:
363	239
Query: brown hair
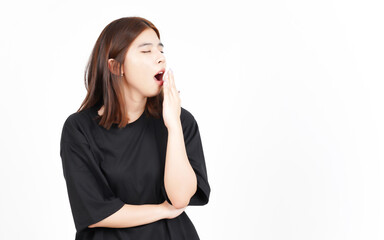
104	87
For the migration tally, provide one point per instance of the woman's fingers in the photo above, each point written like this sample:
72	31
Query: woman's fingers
170	89
172	84
165	85
170	81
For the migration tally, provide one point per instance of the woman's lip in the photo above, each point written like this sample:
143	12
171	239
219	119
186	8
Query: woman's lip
158	82
161	70
161	75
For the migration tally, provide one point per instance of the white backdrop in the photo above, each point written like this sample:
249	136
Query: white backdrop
288	96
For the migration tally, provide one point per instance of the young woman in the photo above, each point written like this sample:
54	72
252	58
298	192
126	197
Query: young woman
132	157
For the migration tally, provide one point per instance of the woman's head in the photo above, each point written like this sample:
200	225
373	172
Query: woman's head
126	57
143	60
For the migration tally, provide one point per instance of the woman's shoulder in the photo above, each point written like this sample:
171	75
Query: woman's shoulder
187	118
186	115
79	119
77	126
79	116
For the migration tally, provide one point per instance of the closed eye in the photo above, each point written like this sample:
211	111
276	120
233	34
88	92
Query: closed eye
150	51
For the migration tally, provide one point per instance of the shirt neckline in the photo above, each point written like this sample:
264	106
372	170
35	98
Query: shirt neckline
96	115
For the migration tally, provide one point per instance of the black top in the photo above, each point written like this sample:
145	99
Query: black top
105	169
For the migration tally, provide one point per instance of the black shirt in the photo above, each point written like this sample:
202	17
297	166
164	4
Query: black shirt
105	169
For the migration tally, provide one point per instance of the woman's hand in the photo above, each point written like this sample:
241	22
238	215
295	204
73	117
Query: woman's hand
170	210
171	103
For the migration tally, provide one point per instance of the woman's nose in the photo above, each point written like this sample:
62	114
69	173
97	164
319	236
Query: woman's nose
161	59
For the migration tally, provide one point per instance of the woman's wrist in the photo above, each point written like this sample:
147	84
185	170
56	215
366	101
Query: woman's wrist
162	211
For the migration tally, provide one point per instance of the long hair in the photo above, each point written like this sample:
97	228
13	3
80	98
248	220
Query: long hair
104	87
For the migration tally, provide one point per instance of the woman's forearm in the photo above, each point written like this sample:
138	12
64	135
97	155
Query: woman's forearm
132	215
180	180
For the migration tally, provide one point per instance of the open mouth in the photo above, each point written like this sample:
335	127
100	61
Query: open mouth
159	76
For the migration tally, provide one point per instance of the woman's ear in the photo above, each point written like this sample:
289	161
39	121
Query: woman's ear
114	66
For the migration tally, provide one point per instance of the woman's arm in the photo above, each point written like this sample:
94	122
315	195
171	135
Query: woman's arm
180	180
134	215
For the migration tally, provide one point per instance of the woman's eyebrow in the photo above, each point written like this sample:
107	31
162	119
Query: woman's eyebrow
145	44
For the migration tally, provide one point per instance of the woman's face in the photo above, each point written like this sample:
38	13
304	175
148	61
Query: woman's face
144	59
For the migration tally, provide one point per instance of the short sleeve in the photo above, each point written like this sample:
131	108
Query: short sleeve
91	199
195	153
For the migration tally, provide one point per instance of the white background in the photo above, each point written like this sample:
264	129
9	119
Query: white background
288	96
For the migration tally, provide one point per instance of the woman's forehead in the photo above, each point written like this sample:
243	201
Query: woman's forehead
147	37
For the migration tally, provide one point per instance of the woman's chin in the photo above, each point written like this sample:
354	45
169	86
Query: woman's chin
154	93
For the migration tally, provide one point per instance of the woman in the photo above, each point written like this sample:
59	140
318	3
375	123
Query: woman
132	156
